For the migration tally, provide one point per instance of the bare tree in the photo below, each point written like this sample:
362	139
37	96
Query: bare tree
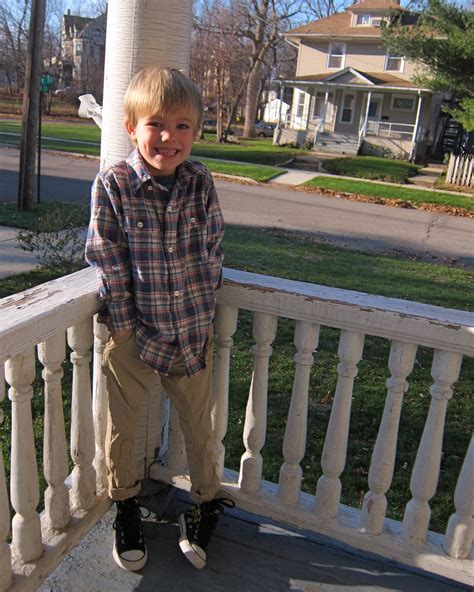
13	43
263	22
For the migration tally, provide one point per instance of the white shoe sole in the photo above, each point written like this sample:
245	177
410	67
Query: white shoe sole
129	565
196	556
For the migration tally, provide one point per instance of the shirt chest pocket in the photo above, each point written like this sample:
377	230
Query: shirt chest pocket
144	238
194	224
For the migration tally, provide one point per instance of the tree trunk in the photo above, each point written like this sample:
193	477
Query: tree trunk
31	106
251	100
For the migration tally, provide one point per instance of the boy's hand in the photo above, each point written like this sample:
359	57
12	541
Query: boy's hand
121	335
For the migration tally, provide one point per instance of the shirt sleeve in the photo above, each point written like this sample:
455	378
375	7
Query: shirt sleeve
215	234
107	251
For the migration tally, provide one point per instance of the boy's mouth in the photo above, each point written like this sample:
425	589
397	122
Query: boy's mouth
167	151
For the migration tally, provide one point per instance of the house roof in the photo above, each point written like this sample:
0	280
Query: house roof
340	24
371	80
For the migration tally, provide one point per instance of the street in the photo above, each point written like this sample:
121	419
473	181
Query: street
338	221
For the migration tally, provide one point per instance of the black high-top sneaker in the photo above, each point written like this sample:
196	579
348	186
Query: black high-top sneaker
197	526
129	547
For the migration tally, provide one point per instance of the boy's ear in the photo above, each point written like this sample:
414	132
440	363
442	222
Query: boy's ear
131	131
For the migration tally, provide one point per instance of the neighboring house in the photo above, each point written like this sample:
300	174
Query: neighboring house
351	94
275	110
83	52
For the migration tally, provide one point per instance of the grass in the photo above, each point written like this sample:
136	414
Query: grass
301	258
75	214
372	167
388	192
260	173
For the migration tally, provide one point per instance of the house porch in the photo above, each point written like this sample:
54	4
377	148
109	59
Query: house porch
375	119
34	326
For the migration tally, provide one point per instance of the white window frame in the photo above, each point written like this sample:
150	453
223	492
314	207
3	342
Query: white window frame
341	55
394	57
365	20
347	93
301	104
395	97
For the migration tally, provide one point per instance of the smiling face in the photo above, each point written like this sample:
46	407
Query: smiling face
165	141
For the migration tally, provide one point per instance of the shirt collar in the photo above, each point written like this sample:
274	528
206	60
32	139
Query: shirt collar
141	174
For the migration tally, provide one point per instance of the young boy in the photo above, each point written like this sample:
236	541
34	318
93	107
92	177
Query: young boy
155	240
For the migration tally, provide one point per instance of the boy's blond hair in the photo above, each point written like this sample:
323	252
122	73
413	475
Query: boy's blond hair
155	91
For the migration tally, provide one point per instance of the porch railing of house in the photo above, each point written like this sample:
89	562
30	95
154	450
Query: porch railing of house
389	129
47	316
461	170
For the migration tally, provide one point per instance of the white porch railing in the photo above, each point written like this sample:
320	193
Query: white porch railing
387	129
43	315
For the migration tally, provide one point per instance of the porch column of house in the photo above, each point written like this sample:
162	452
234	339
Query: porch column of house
363	130
280	106
415	127
138	36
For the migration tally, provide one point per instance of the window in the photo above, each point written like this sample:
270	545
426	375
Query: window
337	53
394	63
376	21
347	111
300	106
363	20
403	103
318	107
78	47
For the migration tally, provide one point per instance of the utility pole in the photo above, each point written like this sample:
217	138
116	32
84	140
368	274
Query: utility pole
31	98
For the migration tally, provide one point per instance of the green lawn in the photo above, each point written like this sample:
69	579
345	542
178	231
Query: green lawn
262	157
372	167
402	194
301	258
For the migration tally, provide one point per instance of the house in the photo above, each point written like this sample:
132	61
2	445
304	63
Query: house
351	94
83	53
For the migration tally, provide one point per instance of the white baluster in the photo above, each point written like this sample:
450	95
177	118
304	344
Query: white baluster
99	406
294	443
424	478
328	491
225	325
51	354
460	529
251	464
401	362
5	553
24	489
83	487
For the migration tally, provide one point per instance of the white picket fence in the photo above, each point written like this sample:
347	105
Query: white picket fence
461	170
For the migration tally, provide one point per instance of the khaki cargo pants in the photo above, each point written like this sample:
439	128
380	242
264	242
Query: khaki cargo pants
127	380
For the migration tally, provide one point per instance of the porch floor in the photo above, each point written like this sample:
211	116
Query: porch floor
248	553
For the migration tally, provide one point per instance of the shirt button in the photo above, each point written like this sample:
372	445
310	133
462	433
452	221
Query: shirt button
140	224
170	250
170	208
193	220
176	293
149	187
180	329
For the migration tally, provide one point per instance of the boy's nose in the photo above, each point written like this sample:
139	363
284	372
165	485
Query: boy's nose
166	134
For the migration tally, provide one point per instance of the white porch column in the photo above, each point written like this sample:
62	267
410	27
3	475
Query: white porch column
140	33
416	126
363	130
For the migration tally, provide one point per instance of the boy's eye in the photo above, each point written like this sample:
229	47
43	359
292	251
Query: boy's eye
183	126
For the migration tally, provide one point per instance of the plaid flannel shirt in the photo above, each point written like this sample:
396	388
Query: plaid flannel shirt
158	257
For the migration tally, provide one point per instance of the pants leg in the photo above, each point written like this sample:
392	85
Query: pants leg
127	381
192	398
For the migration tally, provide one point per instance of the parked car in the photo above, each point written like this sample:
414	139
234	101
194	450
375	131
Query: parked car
264	130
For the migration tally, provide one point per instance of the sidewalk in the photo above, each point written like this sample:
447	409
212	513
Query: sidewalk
12	258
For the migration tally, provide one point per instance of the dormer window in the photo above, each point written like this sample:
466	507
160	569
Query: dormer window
394	63
336	56
363	20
